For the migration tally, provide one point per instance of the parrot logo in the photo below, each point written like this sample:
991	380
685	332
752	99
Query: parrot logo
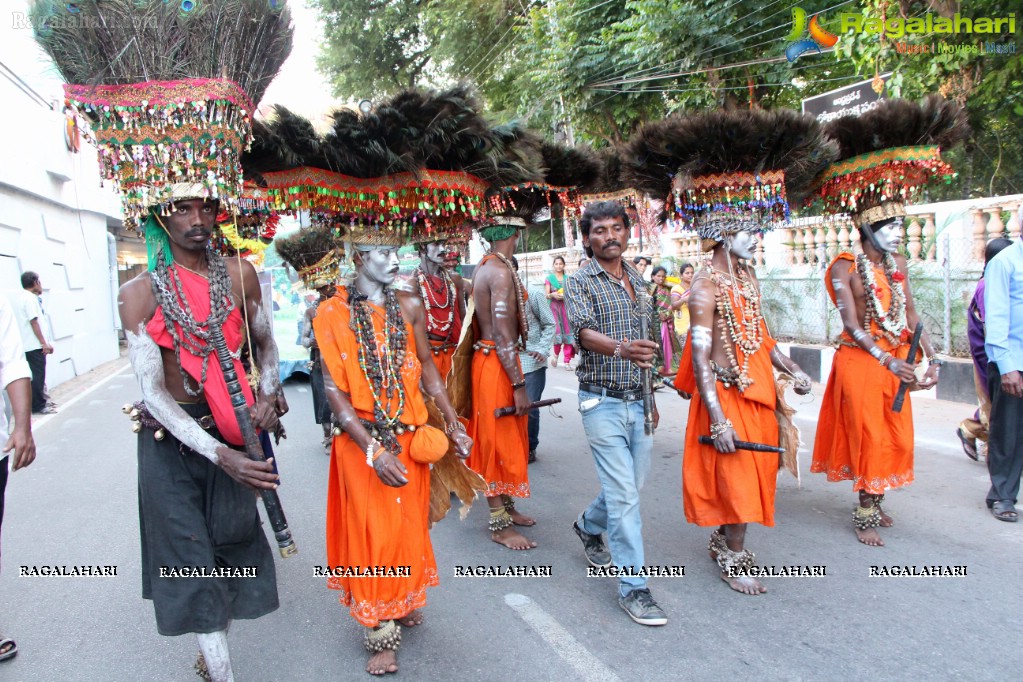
819	36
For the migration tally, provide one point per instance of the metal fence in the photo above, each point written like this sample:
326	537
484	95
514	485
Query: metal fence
943	243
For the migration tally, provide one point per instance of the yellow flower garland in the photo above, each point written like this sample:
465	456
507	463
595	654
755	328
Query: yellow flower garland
239	243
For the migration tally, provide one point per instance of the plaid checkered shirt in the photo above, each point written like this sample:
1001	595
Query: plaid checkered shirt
541	329
598	301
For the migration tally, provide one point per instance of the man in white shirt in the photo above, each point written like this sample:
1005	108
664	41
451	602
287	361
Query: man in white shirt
14	376
29	315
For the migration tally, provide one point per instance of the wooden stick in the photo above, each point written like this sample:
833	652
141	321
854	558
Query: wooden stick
253	448
505	411
914	345
745	445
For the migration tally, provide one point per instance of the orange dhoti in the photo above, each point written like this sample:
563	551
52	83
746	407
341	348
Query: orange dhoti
859	438
500	446
735	487
442	353
372	527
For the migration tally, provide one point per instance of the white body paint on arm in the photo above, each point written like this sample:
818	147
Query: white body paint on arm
269	365
146	360
701	337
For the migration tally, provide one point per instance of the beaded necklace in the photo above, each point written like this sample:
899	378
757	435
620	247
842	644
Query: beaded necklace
520	295
893	321
429	303
747	334
381	366
193	335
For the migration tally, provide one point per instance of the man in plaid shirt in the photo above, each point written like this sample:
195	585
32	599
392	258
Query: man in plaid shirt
604	301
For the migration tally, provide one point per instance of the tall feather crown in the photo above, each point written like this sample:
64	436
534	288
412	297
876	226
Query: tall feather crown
888	155
168	88
564	173
728	170
405	164
315	252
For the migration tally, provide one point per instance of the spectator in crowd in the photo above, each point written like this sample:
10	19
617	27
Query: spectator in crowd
29	314
663	323
680	301
642	263
14	376
554	291
540	323
973	431
1003	343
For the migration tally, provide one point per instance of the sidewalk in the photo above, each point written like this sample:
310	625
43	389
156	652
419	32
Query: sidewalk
71	390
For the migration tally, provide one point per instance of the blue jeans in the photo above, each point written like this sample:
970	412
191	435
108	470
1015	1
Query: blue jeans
535	383
621	452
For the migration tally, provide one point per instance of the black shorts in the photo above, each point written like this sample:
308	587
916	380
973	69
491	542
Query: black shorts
193	515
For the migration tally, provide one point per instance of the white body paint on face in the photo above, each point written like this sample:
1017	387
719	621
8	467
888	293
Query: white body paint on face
435	252
702	337
743	245
379	263
889	236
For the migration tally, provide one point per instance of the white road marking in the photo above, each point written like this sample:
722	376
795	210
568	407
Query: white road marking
588	666
36	425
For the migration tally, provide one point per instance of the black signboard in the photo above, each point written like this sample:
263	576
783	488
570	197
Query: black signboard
853	100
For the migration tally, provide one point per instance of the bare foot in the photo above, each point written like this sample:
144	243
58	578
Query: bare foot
886	521
744	584
383	662
200	668
512	539
412	619
870	537
520	519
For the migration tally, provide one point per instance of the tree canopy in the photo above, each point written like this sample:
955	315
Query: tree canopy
595	69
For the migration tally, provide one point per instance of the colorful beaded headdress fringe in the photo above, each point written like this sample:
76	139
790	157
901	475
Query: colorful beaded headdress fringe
727	203
157	136
886	179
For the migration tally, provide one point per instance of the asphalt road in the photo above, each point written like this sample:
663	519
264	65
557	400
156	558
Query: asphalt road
77	505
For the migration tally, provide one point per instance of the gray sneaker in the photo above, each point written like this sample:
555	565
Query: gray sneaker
642	608
593	545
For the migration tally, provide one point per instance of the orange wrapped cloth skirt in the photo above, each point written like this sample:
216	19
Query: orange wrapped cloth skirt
735	487
443	358
500	452
374	526
859	438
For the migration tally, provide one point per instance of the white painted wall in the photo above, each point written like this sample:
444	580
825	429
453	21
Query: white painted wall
53	212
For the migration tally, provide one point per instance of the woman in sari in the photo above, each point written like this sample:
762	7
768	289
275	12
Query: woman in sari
555	288
680	301
671	349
